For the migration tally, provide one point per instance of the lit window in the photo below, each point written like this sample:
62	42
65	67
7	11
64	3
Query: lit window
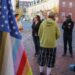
70	4
64	4
63	14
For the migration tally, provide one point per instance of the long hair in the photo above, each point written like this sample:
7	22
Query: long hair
38	18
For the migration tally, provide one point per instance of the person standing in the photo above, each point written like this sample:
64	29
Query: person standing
35	28
67	26
48	34
20	26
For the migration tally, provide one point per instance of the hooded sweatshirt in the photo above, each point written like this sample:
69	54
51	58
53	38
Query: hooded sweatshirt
48	33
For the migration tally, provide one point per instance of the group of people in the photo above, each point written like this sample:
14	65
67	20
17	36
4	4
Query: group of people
45	34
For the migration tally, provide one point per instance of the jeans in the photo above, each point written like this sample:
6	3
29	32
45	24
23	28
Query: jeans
68	40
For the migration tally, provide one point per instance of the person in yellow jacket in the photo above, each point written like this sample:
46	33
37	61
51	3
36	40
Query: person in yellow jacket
48	34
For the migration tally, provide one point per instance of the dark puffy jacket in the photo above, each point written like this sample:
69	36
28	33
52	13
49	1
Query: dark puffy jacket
68	27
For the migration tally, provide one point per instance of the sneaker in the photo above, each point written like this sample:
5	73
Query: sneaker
41	73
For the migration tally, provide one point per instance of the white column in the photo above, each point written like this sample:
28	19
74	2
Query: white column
13	4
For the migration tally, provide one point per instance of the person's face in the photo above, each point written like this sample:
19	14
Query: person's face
36	19
68	18
17	18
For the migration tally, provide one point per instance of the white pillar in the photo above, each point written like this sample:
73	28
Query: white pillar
13	4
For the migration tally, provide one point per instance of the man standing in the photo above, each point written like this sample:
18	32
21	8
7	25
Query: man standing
67	35
48	34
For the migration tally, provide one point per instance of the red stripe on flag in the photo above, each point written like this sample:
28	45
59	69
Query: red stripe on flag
22	64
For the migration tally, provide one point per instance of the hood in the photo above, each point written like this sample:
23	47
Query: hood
50	22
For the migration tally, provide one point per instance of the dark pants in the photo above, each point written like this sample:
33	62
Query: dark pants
36	44
68	40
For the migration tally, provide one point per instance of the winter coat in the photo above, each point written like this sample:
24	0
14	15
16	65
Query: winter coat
68	27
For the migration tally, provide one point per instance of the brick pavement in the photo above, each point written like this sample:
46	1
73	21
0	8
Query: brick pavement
62	63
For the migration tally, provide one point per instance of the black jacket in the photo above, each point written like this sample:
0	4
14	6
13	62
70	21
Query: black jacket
35	28
68	27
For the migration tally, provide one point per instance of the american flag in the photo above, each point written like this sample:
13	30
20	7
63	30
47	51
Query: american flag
7	19
13	60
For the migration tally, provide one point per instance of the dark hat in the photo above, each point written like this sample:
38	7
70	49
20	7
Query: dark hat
68	16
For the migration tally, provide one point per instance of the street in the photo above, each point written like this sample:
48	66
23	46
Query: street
62	63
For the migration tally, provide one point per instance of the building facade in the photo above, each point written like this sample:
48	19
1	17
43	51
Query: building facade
66	7
41	7
24	4
62	7
16	6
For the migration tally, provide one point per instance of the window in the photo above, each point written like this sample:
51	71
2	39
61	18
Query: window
64	4
63	14
70	4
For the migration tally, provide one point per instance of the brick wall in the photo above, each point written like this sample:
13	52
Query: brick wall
66	7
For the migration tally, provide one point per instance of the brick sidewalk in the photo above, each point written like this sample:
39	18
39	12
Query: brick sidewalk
62	63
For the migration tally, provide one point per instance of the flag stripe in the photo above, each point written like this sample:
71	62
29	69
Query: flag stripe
15	48
27	69
7	66
18	57
22	64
